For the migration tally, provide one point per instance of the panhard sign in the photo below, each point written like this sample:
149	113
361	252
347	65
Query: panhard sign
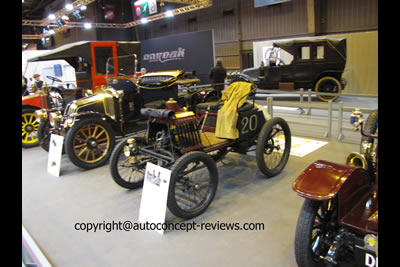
144	8
192	51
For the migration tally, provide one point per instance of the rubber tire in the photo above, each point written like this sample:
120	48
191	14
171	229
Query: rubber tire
302	243
69	138
261	140
370	126
24	111
175	170
324	79
114	166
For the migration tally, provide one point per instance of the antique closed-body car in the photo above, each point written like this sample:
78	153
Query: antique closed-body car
88	58
189	143
338	223
315	63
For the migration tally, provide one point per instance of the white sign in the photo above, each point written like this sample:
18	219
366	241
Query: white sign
302	146
55	152
153	205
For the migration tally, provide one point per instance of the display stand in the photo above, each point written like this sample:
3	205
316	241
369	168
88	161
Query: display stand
55	152
153	205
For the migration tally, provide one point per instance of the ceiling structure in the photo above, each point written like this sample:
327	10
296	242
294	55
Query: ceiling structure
34	17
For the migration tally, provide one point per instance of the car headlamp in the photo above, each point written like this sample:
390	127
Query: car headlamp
127	151
41	115
55	118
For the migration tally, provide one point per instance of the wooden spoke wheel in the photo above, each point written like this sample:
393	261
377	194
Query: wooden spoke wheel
89	143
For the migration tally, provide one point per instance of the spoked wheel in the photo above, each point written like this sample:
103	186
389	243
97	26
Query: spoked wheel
44	135
193	184
316	228
89	143
328	85
29	128
273	147
128	164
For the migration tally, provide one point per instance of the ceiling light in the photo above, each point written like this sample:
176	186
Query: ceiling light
144	20
52	17
83	8
69	6
169	13
87	26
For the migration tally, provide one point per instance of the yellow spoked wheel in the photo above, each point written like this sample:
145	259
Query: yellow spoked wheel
29	128
89	143
328	85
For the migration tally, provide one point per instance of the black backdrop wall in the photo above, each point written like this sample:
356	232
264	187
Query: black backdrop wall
192	51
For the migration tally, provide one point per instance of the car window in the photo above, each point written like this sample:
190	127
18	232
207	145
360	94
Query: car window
320	52
304	53
102	54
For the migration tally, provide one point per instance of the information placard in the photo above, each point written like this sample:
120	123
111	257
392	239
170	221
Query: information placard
153	205
55	152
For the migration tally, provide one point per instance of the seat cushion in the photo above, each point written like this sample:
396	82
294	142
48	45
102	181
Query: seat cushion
212	105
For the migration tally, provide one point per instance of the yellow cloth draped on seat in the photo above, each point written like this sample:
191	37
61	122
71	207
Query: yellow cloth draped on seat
227	115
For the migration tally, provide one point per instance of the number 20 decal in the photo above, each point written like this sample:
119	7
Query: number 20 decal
249	123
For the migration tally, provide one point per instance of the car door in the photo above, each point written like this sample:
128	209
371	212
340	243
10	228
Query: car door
101	51
304	69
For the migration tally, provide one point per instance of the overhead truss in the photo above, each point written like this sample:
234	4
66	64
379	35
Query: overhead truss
193	5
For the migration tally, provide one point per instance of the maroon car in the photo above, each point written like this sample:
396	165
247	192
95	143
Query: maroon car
338	223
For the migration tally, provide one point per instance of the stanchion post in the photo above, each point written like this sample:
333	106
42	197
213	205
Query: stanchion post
269	106
329	131
309	101
340	120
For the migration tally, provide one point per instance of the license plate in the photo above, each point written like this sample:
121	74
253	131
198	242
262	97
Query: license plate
365	257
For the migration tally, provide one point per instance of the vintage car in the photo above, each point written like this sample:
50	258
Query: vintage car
189	143
89	59
49	97
338	223
317	64
92	124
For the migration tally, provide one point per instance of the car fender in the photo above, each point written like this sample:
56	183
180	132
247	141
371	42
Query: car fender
80	116
323	180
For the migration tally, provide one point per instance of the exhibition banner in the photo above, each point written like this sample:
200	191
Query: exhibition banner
192	52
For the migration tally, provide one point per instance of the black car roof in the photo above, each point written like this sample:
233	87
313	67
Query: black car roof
338	45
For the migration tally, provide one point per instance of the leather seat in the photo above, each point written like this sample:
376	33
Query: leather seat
212	105
215	106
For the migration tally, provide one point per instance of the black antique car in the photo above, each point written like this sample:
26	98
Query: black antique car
317	64
92	124
191	143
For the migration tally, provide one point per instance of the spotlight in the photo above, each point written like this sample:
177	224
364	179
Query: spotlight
144	20
52	17
87	26
169	13
69	6
83	8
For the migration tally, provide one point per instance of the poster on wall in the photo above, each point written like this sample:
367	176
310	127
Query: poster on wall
192	52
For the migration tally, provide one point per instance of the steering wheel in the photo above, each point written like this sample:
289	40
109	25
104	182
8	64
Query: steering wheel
54	79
